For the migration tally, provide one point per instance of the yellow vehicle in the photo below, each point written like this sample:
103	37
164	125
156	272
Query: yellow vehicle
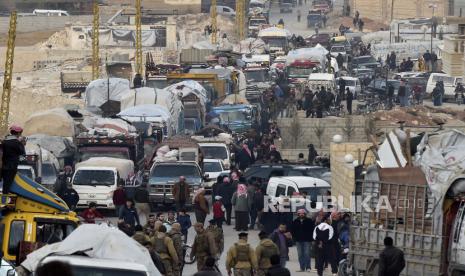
216	86
32	216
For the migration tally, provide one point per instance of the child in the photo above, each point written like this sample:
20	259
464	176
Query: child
218	211
185	220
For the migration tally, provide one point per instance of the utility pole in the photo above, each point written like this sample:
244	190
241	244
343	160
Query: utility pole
95	42
214	34
240	19
432	6
138	37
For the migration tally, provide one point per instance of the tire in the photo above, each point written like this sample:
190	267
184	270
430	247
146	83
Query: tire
187	249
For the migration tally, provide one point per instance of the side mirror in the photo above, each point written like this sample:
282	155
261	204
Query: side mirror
68	180
206	176
11	272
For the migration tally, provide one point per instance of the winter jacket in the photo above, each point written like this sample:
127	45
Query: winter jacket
301	230
119	197
181	194
266	248
70	196
283	249
185	221
90	216
129	216
218	209
391	261
141	195
208	272
226	191
12	150
241	203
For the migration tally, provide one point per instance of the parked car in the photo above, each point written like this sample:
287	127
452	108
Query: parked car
265	171
353	84
225	10
449	84
212	169
365	61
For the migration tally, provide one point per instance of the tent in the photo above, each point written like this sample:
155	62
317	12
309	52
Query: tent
53	122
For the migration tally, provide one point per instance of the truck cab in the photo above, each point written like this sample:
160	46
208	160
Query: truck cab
255	23
163	175
96	179
237	117
32	215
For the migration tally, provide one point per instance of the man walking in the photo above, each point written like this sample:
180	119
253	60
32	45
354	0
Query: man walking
283	239
218	235
301	227
349	99
13	149
241	257
391	259
226	191
176	237
128	218
203	246
322	234
141	197
119	198
427	58
180	193
265	249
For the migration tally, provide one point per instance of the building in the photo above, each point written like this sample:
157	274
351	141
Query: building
386	10
457	8
71	6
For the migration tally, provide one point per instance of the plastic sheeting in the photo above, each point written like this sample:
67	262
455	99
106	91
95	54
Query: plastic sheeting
186	88
59	146
251	46
125	167
97	92
146	110
316	54
274	32
54	122
123	37
96	241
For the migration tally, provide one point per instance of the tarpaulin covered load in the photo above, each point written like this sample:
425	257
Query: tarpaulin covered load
315	54
97	92
274	32
234	99
441	156
95	241
124	167
117	125
54	122
60	147
189	87
146	113
251	46
161	97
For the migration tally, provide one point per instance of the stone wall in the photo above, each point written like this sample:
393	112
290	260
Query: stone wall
342	173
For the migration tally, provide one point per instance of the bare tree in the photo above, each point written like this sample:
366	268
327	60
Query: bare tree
295	130
319	132
349	128
370	127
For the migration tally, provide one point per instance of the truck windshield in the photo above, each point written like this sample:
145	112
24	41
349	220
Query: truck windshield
49	173
102	271
215	152
175	171
212	167
114	154
255	76
257	22
275	41
25	172
94	177
50	232
299	72
233	115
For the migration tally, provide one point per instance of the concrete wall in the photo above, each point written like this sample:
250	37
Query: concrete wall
380	10
342	173
43	23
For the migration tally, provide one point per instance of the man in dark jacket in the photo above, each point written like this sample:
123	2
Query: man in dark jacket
70	196
274	155
128	218
349	99
209	268
226	191
276	269
322	235
301	228
13	149
119	198
391	259
283	239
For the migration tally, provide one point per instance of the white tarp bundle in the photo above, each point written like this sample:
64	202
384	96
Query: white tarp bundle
48	157
97	241
59	146
315	54
204	45
274	32
124	37
387	157
125	167
441	157
54	122
97	92
145	113
251	46
163	97
188	87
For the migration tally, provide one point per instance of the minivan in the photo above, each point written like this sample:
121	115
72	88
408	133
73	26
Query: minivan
449	84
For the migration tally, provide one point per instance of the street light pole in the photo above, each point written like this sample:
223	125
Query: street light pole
433	6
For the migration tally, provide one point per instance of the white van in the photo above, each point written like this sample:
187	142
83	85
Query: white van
225	10
317	80
282	188
449	84
97	178
38	12
216	151
353	84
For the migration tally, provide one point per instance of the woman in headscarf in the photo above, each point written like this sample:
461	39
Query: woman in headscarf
242	204
200	205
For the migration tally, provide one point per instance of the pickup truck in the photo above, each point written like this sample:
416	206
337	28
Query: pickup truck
163	175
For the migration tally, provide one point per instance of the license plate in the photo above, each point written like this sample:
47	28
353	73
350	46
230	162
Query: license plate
89	202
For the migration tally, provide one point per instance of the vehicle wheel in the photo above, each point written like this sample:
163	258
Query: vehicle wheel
187	249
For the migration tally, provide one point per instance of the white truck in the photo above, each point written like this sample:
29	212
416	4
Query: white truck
97	178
